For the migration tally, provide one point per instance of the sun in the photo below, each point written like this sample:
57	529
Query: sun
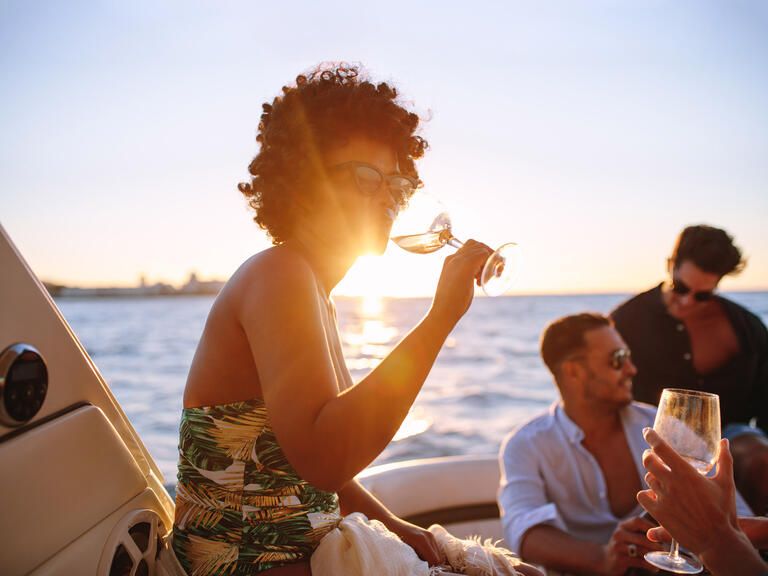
395	274
371	306
367	279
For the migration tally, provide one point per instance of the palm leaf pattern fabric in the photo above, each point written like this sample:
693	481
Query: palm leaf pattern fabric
240	506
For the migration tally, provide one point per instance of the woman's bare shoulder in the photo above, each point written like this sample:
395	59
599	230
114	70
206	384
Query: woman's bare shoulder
275	272
275	264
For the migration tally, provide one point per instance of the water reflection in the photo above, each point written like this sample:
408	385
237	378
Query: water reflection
366	342
371	306
487	379
413	425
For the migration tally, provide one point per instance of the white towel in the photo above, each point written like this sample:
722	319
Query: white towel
362	547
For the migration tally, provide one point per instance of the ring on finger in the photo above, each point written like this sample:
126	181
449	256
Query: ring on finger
632	550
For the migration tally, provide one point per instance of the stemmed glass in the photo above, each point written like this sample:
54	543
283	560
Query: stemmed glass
689	421
425	226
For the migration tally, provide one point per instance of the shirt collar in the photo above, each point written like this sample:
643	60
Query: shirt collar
575	434
571	430
631	416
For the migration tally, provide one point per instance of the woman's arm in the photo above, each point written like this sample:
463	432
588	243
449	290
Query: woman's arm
355	498
329	437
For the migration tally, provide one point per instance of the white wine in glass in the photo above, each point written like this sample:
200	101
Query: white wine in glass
425	227
689	421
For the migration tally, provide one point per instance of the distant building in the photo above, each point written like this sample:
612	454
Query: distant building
193	286
157	289
196	286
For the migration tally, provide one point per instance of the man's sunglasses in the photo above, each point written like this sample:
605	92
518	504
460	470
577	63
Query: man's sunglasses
620	357
681	288
370	179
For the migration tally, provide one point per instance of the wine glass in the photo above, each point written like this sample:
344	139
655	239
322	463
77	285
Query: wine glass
689	421
425	226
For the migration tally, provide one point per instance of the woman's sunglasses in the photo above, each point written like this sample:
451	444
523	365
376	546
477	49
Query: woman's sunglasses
681	288
370	179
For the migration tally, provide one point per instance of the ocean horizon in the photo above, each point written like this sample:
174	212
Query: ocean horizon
488	377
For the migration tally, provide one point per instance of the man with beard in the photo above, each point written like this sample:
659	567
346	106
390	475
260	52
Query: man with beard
569	477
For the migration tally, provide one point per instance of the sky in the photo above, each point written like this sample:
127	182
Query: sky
589	132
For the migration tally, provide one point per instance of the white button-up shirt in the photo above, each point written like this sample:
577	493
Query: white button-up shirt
548	477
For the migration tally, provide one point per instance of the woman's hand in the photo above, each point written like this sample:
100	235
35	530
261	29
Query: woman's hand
425	545
696	510
455	289
422	541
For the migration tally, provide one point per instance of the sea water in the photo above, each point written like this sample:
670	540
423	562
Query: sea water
488	378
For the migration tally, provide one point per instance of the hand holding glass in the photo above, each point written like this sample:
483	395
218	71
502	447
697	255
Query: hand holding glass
425	226
689	421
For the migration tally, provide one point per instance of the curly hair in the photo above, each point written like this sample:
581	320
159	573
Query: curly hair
323	109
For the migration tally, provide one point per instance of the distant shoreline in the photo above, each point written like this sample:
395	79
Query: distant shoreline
193	287
93	293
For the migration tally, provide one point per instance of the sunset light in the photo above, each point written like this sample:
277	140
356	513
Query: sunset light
591	161
371	305
337	287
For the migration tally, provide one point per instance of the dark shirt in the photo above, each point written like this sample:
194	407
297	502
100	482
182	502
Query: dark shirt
661	350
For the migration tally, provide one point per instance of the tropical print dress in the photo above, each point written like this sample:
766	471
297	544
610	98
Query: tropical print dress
240	506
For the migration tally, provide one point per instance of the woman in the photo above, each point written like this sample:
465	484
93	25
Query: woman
273	431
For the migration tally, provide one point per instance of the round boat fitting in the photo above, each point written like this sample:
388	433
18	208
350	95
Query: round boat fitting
23	384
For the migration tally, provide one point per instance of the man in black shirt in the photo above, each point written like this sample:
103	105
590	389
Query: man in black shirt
683	335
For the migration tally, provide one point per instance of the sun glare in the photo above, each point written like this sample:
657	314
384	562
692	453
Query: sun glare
396	274
371	306
412	426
